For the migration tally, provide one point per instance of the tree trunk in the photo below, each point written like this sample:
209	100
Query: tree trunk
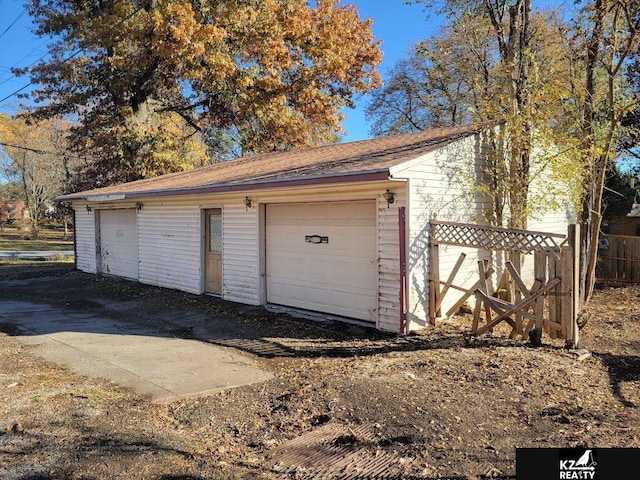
595	165
517	59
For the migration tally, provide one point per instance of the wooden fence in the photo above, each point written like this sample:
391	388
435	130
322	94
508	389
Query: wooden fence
619	259
549	304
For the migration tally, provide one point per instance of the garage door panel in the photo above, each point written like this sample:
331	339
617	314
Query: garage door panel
358	279
341	241
119	243
338	277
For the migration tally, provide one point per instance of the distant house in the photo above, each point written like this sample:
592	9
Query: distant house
318	229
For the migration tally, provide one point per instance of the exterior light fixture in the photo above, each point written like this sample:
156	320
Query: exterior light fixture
247	203
89	209
389	197
139	206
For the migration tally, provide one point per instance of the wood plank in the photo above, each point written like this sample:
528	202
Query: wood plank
636	263
504	305
633	260
450	279
470	292
459	288
516	307
540	274
565	289
552	326
434	277
515	275
552	299
498	308
478	307
574	243
519	289
476	316
483	266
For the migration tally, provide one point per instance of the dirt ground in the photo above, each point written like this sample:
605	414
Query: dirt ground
345	402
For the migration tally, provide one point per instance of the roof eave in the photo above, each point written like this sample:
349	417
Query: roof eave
368	176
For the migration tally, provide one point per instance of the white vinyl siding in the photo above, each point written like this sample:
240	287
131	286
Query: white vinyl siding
552	213
389	306
169	239
439	187
551	216
240	253
85	237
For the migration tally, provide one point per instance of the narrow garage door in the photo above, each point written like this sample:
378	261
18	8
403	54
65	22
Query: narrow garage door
119	243
322	257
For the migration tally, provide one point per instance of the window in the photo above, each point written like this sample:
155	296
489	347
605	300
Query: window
215	233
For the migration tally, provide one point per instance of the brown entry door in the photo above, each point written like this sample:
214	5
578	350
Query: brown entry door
213	261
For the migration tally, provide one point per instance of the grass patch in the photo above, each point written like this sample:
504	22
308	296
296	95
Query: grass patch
50	238
33	245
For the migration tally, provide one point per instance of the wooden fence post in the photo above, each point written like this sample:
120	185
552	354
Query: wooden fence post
434	276
565	274
541	259
562	301
573	332
554	304
517	293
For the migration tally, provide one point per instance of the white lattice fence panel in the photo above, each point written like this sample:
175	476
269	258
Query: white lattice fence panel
494	238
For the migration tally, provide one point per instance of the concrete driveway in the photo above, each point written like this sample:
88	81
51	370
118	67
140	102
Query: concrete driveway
132	342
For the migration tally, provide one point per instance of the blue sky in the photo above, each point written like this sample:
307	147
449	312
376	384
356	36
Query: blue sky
396	24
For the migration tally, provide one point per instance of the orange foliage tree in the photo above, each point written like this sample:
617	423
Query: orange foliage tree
241	76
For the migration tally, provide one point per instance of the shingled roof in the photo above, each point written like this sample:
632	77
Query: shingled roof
354	161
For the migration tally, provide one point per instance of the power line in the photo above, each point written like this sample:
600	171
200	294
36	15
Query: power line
33	150
23	58
16	92
24	10
79	50
38	151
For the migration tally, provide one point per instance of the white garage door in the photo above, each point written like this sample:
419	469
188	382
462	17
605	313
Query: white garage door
119	243
323	257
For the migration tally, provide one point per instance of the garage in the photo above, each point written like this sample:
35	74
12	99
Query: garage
323	257
119	243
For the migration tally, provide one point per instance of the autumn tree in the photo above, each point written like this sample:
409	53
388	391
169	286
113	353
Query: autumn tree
33	158
584	99
504	55
610	32
435	86
493	63
143	77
